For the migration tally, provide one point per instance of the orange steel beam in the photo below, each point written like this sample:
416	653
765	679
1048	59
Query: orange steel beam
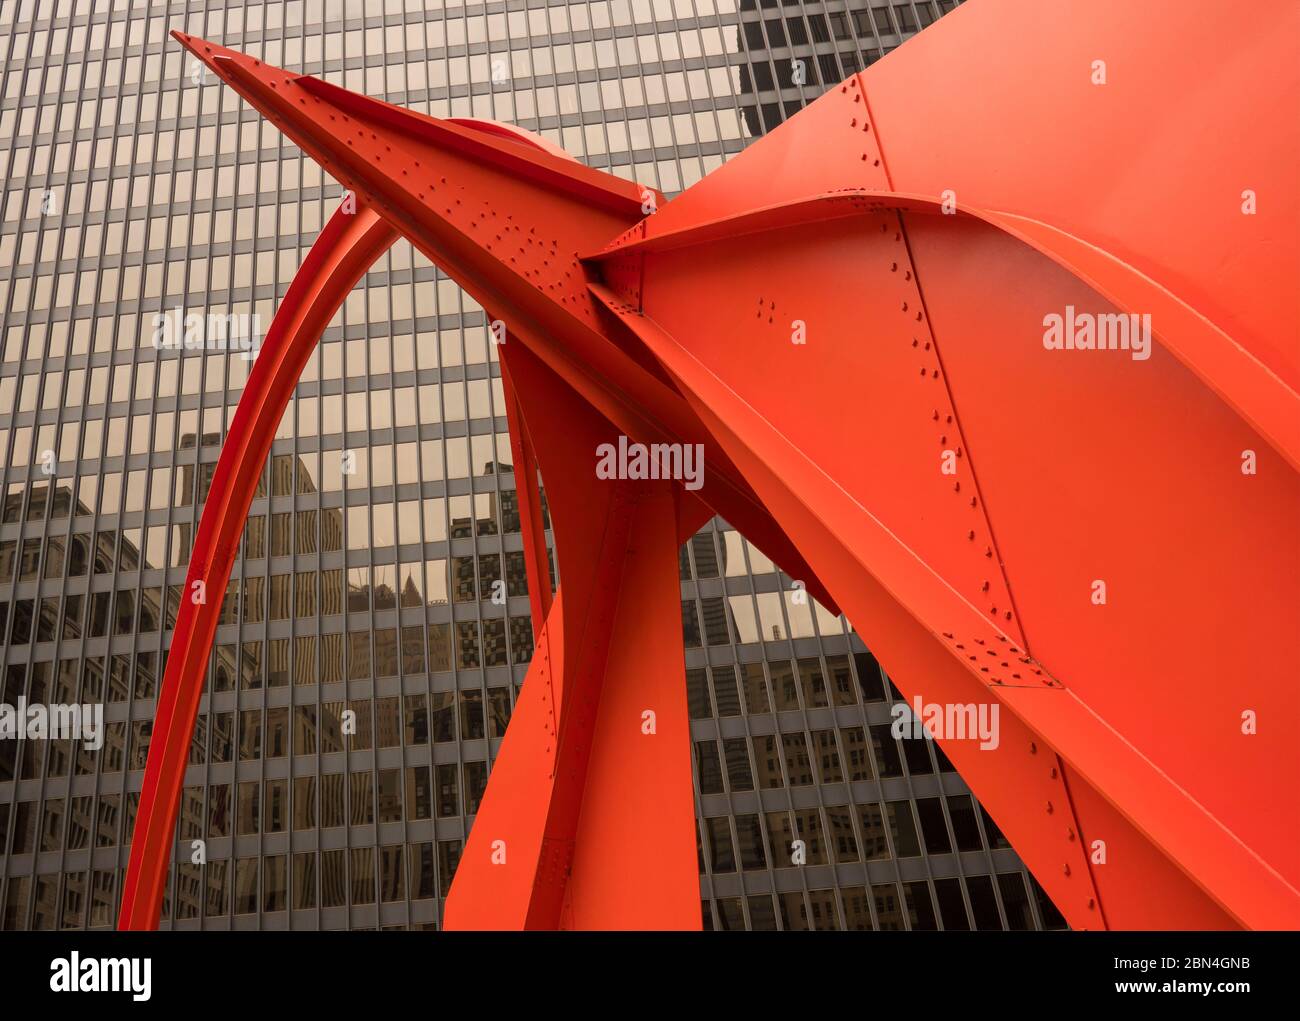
860	321
345	250
588	780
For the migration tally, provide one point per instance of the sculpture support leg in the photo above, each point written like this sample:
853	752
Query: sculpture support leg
638	815
595	766
346	248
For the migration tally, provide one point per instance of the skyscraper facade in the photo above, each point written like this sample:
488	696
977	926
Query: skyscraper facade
376	628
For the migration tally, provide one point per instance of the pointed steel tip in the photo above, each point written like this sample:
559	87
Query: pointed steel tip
199	47
186	41
190	42
204	50
220	59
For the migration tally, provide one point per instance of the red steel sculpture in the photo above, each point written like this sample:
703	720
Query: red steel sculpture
993	348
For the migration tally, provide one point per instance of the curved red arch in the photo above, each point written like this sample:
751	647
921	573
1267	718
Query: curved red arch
344	251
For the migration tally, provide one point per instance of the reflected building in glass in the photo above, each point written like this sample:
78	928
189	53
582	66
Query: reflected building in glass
376	630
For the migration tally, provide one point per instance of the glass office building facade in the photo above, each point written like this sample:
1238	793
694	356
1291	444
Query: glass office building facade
366	663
